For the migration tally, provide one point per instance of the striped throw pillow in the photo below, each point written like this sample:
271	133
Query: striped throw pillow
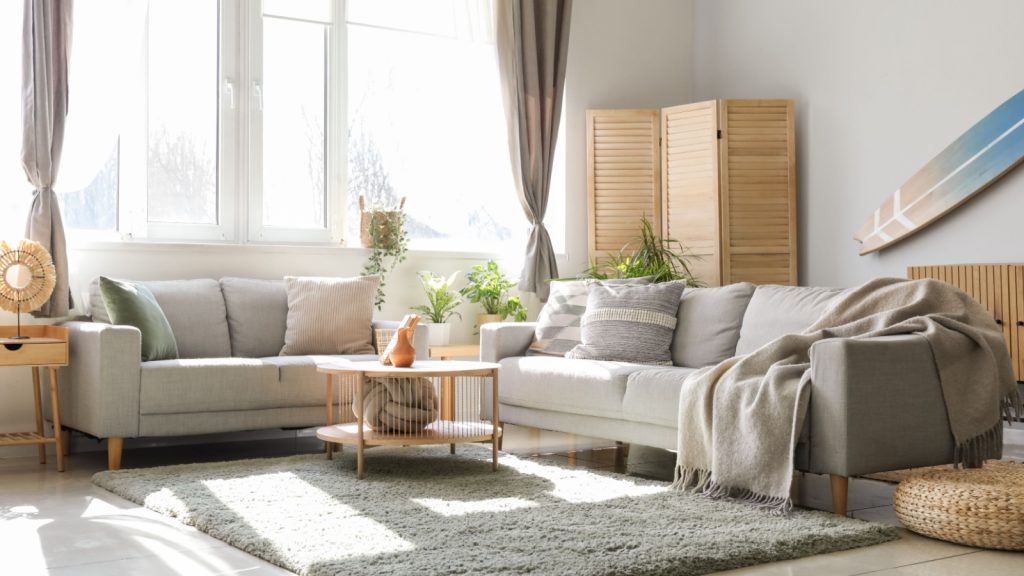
558	324
629	323
329	315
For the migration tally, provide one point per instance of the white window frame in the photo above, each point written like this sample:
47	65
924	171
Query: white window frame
335	153
133	187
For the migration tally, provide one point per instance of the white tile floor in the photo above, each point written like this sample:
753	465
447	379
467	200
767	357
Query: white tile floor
52	523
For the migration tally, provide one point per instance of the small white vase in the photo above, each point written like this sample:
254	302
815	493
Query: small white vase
439	334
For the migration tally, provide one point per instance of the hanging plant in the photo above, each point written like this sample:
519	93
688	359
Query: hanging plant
382	230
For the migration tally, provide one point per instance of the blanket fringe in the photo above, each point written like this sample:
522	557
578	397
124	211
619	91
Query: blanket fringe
775	505
691	479
697	481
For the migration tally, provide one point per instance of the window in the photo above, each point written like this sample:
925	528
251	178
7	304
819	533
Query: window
248	121
426	122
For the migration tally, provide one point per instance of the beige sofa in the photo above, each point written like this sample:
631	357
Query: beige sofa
229	376
875	403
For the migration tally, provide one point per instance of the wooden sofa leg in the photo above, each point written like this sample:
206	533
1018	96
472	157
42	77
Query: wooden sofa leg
114	447
840	489
65	441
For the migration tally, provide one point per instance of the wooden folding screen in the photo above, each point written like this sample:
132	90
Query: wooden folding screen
623	176
727	185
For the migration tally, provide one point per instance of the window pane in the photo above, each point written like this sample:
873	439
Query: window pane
183	106
15	192
87	183
427	123
294	92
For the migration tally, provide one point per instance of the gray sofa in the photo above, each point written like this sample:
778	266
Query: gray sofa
875	403
228	378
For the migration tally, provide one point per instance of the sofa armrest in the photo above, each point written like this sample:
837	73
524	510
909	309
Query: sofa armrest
876	405
100	387
420	338
505	339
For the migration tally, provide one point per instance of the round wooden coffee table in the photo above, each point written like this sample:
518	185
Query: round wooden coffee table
456	390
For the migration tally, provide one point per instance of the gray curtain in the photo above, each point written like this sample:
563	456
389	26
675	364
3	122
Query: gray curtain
533	41
46	41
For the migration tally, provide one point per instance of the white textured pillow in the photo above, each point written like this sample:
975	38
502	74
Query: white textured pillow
329	315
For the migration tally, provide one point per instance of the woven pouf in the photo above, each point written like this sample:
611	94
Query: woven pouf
981	507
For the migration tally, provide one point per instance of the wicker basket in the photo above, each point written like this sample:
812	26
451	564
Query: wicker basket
981	507
389	221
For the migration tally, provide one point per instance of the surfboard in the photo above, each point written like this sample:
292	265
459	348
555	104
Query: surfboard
980	156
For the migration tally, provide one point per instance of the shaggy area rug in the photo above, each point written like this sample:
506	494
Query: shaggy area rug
422	511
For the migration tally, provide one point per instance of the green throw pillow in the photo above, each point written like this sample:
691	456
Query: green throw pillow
134	305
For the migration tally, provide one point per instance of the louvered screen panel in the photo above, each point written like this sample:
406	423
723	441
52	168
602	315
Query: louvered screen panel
690	201
758	191
623	177
997	287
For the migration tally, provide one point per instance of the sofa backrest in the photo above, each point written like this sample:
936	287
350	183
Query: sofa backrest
257	312
194	309
708	324
778	310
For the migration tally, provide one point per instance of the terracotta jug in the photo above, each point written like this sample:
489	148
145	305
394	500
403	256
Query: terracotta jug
403	354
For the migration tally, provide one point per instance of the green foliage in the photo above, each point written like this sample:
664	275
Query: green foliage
390	243
441	299
650	255
488	286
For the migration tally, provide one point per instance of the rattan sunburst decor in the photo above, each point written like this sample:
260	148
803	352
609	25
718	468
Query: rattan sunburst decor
27	277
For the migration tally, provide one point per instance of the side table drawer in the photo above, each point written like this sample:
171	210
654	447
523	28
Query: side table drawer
48	354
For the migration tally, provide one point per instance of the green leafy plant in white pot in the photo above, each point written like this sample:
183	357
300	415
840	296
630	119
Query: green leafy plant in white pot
440	307
488	286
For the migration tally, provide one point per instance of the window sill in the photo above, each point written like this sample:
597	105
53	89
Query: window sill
91	245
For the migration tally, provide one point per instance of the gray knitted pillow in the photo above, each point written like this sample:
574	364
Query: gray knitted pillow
558	325
630	323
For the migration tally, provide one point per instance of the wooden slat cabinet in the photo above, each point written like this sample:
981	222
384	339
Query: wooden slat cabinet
997	287
726	190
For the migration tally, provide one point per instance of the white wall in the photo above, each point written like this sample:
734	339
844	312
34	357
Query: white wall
622	54
881	86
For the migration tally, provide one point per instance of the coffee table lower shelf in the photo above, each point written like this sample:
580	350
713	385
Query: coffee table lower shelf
440	432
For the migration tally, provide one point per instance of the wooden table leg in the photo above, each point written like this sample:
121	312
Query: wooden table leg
495	421
330	414
38	396
362	408
55	401
447	398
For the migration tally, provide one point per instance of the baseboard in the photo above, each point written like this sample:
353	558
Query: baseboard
1014	434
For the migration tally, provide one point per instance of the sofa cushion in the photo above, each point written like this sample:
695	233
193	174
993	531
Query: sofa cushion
652	396
257	315
329	315
589	387
709	321
132	304
194	309
211	385
629	323
558	324
778	310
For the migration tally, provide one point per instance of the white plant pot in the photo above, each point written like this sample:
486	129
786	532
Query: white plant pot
439	334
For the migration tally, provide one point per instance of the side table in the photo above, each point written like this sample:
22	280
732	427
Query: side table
461	424
45	347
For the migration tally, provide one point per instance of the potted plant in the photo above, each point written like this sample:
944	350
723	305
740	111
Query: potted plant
664	259
488	286
441	304
383	232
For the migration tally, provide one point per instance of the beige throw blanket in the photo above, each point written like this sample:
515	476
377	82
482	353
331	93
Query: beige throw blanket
739	421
